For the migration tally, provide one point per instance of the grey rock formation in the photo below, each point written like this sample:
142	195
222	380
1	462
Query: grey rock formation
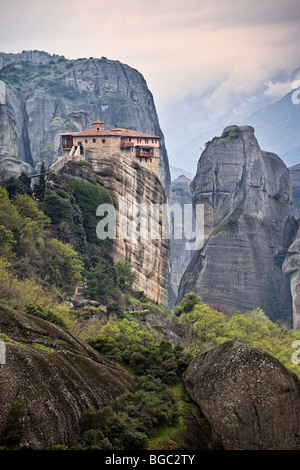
36	57
291	267
47	95
295	181
250	399
246	194
179	254
55	377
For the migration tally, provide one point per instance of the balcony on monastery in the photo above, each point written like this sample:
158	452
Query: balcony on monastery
144	152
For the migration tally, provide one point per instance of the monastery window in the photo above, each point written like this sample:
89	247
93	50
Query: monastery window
150	160
94	140
86	141
146	141
103	141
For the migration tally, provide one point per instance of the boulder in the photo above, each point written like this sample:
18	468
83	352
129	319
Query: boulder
250	399
54	377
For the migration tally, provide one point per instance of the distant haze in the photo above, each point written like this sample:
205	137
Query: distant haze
206	62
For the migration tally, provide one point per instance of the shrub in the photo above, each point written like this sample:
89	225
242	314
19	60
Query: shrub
13	430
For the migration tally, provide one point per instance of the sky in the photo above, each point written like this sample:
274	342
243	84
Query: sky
202	59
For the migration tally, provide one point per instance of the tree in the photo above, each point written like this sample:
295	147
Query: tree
125	275
187	304
99	283
20	185
40	188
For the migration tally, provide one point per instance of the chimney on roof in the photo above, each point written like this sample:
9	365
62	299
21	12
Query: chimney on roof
98	126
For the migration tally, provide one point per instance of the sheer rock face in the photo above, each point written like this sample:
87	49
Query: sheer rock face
295	181
250	399
291	267
179	254
125	178
149	257
81	92
55	376
246	194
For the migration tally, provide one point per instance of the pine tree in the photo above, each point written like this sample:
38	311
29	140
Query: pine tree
40	188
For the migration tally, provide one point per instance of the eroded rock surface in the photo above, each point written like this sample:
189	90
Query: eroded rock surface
291	267
54	376
180	255
68	95
246	194
250	399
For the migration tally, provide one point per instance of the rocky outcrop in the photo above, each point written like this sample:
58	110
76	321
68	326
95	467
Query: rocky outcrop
49	95
36	57
250	399
291	267
124	177
295	181
149	257
54	377
246	193
179	254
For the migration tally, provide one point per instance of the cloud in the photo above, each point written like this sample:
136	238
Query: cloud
208	57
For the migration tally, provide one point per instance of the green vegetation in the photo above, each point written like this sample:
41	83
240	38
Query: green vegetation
6	338
28	77
89	196
226	135
271	295
42	347
48	315
13	430
229	223
143	350
129	421
66	216
205	327
29	254
20	185
48	247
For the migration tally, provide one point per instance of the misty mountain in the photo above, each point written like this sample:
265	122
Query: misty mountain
277	127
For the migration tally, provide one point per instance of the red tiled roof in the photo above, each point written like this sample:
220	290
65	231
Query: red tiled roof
112	132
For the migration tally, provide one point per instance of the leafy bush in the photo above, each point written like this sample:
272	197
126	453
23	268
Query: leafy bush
48	315
127	422
205	327
63	211
89	196
141	349
13	429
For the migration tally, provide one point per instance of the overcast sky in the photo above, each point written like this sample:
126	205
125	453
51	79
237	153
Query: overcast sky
217	49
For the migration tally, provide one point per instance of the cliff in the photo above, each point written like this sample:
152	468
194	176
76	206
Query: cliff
295	181
179	255
246	194
45	95
50	377
291	267
124	177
